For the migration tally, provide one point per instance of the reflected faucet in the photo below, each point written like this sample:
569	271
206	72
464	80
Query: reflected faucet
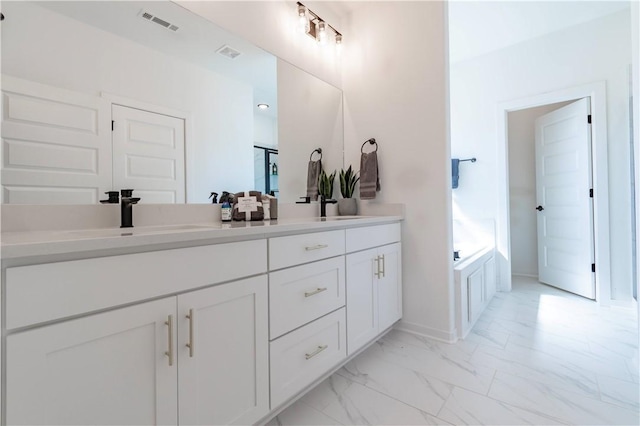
126	208
323	205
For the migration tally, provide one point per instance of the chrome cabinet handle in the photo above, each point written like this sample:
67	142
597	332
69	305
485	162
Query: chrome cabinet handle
314	292
169	353
316	247
377	273
383	267
190	344
316	352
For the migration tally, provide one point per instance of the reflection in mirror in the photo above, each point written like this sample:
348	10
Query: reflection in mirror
181	92
309	117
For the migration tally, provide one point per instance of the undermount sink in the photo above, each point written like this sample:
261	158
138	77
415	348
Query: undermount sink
141	230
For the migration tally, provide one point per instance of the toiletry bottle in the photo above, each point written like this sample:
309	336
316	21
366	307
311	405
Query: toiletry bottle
225	212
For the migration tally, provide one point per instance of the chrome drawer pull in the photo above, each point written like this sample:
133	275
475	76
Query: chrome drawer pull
316	247
378	274
190	344
169	353
383	265
316	352
316	291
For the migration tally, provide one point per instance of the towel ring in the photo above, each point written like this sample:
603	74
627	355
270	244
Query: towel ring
319	151
372	141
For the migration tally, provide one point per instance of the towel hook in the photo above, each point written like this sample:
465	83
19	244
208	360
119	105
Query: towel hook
319	151
372	141
473	160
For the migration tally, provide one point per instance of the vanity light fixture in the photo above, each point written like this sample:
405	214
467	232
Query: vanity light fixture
263	106
315	27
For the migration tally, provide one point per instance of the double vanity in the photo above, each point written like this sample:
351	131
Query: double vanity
190	324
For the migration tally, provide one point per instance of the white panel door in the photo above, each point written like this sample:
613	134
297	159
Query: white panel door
108	368
148	155
56	145
362	299
565	209
224	372
389	286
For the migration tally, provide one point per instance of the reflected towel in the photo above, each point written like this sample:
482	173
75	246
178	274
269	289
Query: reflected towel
369	179
313	173
455	170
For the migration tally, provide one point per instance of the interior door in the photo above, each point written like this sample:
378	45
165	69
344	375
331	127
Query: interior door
56	145
565	208
148	155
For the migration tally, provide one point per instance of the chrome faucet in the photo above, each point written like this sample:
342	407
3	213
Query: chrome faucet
323	205
126	208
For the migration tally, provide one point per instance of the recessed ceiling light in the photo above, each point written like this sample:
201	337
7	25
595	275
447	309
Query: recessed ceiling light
263	106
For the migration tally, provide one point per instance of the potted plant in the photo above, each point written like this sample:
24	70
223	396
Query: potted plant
347	205
325	184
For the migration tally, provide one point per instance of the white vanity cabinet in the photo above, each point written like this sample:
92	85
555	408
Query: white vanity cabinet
306	305
107	368
226	333
202	353
374	283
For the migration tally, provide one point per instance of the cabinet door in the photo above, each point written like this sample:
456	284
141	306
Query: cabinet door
389	286
362	299
224	374
490	277
108	368
475	292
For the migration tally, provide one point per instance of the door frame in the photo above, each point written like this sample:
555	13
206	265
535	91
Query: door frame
158	109
597	94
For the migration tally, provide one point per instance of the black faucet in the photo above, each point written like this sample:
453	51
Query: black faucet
323	205
126	208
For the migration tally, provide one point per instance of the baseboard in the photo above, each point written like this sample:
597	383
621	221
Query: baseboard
431	333
518	274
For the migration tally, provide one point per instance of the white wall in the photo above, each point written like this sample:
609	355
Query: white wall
265	131
55	50
522	189
395	86
586	53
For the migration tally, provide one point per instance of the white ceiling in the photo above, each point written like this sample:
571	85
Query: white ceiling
480	27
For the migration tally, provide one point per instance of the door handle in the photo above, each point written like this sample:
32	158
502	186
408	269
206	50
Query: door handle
539	208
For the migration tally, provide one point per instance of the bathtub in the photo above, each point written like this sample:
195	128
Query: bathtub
475	284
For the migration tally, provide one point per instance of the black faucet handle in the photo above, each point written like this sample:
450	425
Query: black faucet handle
126	192
307	200
113	197
131	200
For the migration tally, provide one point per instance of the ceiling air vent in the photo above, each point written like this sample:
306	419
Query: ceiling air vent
149	17
229	52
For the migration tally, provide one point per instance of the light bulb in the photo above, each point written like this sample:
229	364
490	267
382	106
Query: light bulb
322	33
303	22
338	44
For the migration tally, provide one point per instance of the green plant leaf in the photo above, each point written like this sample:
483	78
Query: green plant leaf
348	180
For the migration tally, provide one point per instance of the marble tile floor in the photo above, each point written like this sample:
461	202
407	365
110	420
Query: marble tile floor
537	355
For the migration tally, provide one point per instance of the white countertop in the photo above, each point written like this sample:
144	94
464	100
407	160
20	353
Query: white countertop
21	245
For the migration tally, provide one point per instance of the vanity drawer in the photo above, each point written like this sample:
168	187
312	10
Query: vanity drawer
300	295
302	356
40	293
297	249
372	236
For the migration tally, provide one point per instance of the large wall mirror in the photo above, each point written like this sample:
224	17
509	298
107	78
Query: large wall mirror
100	96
